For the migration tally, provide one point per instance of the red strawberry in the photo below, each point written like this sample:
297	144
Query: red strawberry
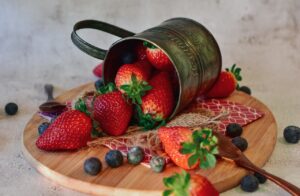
159	101
141	51
200	186
98	70
171	138
70	131
226	83
185	184
158	58
112	112
131	79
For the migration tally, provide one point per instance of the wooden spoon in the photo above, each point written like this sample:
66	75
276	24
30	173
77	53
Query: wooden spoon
227	150
51	105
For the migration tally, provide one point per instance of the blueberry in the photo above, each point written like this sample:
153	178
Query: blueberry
291	134
249	183
99	83
114	158
128	57
92	166
135	155
157	164
234	130
42	128
261	179
245	89
240	142
11	108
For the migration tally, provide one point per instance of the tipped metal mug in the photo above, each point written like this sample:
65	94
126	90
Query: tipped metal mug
191	48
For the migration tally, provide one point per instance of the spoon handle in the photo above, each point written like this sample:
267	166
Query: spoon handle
49	91
292	189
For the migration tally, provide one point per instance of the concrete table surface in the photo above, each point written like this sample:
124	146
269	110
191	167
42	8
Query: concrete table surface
263	37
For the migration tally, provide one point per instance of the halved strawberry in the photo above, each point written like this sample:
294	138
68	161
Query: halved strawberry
131	79
158	103
188	148
171	138
226	83
112	112
70	131
158	58
185	184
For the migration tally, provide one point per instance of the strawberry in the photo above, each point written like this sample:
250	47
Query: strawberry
158	58
98	70
158	103
70	131
171	138
131	79
226	83
188	148
112	112
141	51
185	184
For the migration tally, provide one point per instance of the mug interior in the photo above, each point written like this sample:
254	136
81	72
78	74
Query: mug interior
113	62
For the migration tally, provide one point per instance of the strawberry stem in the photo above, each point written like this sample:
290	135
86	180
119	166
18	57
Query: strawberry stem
136	89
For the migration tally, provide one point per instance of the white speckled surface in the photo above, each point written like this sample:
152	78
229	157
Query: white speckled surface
261	36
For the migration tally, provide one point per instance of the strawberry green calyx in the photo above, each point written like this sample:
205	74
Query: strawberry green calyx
80	105
110	87
177	184
136	89
236	71
149	45
147	121
203	148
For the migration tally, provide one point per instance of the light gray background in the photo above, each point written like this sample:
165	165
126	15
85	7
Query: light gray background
263	37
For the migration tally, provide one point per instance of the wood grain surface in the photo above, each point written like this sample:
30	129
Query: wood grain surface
66	168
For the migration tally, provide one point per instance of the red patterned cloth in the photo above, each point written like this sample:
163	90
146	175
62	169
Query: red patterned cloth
238	113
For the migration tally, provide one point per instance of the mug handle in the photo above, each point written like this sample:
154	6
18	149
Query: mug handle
102	26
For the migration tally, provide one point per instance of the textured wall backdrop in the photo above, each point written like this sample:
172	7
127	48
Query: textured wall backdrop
263	37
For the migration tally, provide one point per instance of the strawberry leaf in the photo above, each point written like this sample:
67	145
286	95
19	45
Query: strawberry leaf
147	121
167	192
209	161
149	45
125	87
236	71
136	90
187	148
178	184
168	182
110	87
80	105
193	159
203	148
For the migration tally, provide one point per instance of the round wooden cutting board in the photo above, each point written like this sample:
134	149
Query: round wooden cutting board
66	168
